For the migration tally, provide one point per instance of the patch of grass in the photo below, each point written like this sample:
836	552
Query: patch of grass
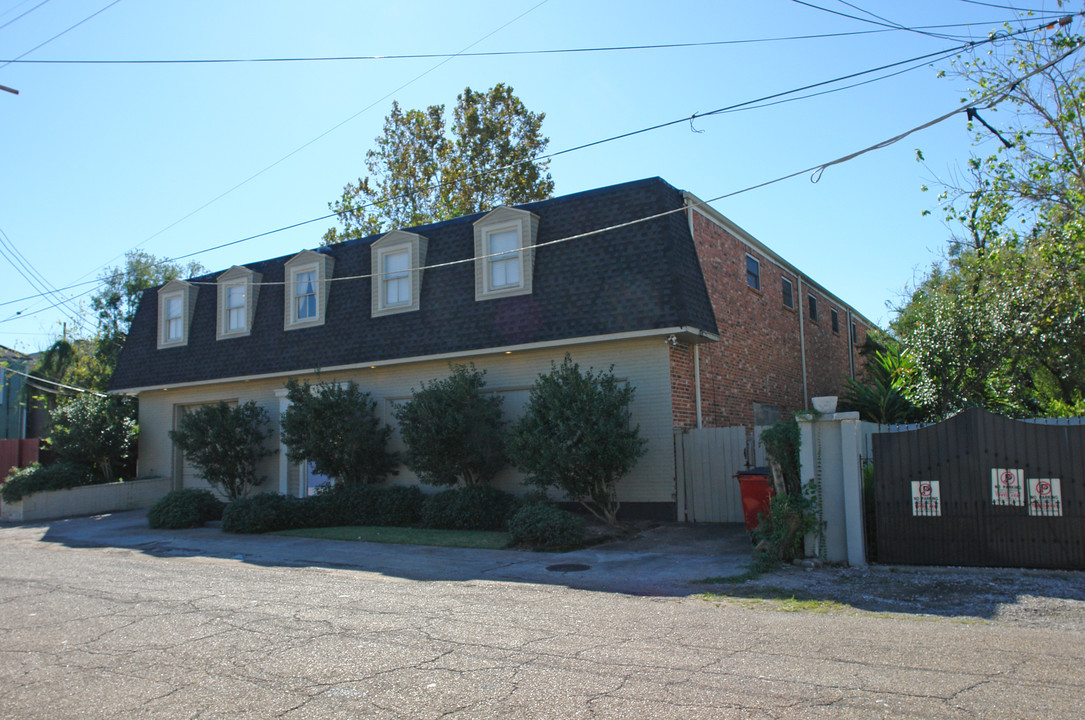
476	539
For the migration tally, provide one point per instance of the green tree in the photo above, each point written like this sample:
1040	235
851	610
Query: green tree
94	431
420	173
226	443
577	435
883	395
335	427
452	431
1000	322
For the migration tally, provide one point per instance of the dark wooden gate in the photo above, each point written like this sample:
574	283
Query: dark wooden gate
981	489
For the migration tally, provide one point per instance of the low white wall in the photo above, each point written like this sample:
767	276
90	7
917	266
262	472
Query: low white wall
86	500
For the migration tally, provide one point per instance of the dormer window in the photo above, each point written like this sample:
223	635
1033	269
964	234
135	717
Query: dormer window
503	247
238	288
176	301
397	259
307	276
505	253
305	294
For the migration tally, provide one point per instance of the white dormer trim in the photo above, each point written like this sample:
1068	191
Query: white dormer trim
509	273
237	280
321	266
176	303
393	245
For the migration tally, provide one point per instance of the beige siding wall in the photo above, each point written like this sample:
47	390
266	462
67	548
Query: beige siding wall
644	363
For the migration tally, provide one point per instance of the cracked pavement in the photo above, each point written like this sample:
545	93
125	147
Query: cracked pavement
121	632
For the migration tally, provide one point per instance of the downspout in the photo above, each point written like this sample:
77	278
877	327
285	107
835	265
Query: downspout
851	345
802	343
697	380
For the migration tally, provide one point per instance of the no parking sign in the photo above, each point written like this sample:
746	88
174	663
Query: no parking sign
1045	497
1007	486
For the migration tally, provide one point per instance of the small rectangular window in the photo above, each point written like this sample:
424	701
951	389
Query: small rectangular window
174	319
505	260
813	303
854	333
753	273
397	279
235	308
834	319
305	294
789	294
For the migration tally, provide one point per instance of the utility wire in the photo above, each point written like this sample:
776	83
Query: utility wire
20	17
887	27
37	379
989	99
324	134
62	32
759	102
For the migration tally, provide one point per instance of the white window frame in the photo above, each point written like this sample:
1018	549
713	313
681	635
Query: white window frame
185	295
234	316
249	281
322	266
314	285
504	219
506	259
392	243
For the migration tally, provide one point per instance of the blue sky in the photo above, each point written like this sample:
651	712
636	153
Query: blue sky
100	159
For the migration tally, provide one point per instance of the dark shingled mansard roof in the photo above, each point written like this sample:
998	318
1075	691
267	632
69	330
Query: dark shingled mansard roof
641	277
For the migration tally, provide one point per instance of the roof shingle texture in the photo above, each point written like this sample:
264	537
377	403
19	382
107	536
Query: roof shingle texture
640	277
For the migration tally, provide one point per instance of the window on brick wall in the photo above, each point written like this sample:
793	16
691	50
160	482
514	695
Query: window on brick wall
812	303
834	319
788	294
854	333
753	272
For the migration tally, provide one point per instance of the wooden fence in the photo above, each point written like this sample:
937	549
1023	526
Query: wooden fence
706	460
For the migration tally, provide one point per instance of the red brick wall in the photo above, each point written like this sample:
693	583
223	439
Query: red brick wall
758	358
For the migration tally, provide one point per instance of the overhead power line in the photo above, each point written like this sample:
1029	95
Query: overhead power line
35	379
763	101
20	17
62	32
886	27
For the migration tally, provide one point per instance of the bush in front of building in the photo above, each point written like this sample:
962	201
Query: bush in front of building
186	508
577	435
226	443
452	431
543	525
36	478
335	426
477	507
263	512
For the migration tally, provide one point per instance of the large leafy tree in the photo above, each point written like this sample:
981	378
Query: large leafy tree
1001	322
423	171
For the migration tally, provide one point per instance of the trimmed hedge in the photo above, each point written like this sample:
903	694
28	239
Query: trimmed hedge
36	478
544	525
477	507
186	508
341	505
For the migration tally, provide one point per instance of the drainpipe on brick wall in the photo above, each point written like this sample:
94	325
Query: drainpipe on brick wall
697	380
851	345
801	302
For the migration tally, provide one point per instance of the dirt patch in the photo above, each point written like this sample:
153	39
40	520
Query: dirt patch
1052	600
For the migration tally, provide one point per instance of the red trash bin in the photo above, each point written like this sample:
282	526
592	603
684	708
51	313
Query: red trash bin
757	491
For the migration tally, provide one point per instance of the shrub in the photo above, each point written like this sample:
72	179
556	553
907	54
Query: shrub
94	431
226	443
335	427
261	513
477	507
186	508
544	525
577	435
782	441
452	431
400	506
36	478
784	529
